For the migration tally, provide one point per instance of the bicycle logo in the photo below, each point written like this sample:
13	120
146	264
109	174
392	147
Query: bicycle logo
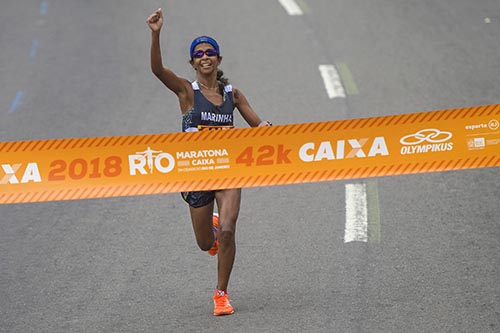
430	135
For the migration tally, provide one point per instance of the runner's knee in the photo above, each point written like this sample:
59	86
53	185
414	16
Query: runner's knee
225	237
204	244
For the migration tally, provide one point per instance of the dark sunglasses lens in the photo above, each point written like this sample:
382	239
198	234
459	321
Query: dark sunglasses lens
211	52
198	54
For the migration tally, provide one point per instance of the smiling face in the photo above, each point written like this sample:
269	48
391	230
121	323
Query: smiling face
206	64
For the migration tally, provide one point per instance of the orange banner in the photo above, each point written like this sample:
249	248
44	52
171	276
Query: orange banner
79	168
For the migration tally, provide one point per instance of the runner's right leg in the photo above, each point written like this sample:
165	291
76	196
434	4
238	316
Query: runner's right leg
202	219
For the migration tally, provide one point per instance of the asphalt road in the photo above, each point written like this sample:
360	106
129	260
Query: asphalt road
80	68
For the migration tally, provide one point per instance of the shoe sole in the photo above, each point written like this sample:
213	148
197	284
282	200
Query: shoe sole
223	314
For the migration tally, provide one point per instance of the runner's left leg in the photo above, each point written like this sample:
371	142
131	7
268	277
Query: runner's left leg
228	203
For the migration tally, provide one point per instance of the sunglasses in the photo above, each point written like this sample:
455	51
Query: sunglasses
209	52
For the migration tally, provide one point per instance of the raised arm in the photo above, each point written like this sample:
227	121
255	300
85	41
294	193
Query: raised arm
176	84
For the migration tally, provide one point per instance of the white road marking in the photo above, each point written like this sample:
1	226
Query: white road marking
356	207
291	7
331	79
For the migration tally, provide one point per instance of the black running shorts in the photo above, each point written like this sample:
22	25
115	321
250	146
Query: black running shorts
199	198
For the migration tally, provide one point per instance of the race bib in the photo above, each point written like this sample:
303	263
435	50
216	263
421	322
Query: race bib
214	128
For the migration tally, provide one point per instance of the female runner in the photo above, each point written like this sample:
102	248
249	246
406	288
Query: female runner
207	101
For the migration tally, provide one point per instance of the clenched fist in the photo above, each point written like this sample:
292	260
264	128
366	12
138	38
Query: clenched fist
155	20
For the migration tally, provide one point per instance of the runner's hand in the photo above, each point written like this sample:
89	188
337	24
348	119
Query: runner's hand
155	20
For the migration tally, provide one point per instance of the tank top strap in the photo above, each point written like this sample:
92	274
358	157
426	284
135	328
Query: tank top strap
227	88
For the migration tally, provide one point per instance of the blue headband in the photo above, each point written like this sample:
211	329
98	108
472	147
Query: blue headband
203	39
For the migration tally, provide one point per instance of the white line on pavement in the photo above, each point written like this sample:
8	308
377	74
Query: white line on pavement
291	7
356	226
332	81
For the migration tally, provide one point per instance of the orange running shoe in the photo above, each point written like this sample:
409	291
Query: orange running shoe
221	303
215	248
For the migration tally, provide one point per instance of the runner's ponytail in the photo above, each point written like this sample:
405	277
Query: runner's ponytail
221	81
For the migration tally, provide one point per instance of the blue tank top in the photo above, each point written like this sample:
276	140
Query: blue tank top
205	113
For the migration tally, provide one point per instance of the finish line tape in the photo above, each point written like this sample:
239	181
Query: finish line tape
82	168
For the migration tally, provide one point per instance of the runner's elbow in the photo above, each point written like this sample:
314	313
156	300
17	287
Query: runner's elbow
157	70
